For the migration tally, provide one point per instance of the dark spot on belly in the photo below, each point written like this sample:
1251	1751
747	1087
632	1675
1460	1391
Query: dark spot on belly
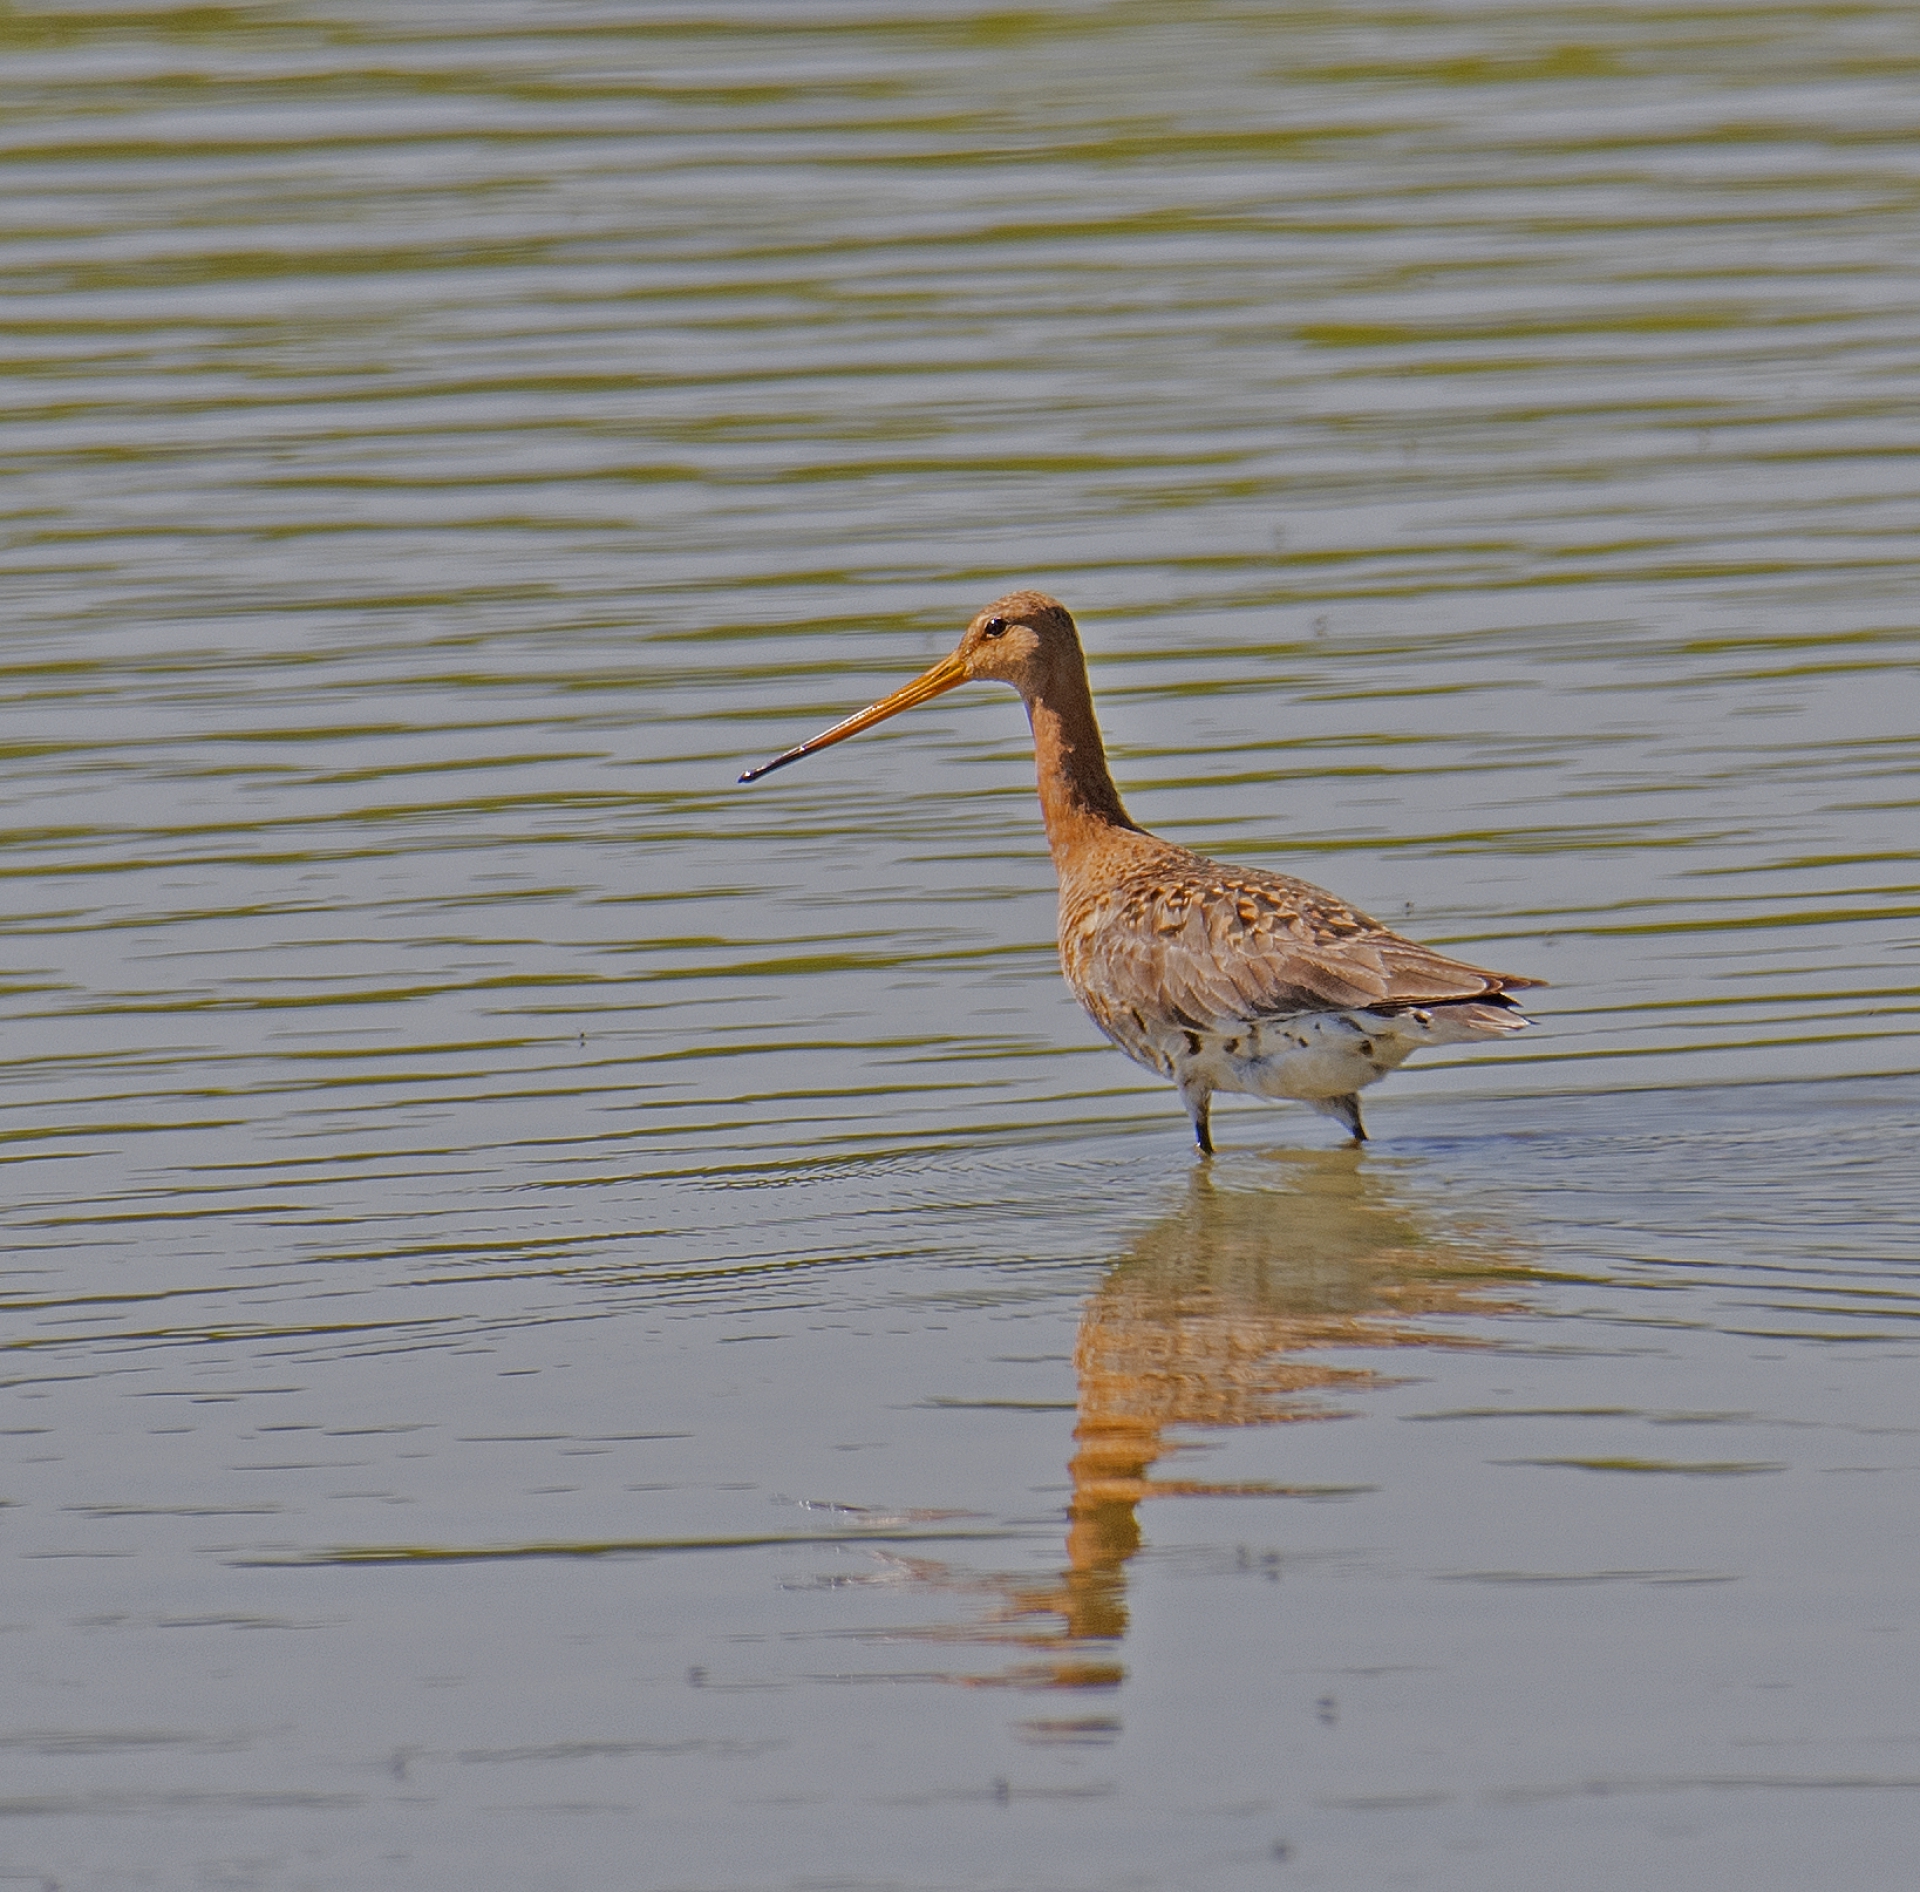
1193	1042
1366	1047
1233	1047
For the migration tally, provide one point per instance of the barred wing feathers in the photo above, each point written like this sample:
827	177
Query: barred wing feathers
1208	947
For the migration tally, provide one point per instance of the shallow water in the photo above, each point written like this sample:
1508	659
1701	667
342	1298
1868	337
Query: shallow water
569	1323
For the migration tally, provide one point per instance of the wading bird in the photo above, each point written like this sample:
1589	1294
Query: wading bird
1219	978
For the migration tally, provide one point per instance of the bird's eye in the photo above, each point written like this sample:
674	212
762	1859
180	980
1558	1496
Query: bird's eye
994	627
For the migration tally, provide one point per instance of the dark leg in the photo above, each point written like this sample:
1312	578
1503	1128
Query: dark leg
1200	1108
1347	1109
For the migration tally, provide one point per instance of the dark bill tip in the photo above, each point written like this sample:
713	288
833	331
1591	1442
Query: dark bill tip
778	762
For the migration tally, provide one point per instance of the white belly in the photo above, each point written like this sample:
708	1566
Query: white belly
1307	1055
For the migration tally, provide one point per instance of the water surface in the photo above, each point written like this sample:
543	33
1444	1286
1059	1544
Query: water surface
569	1323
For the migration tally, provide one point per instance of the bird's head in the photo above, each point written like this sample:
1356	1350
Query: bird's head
1020	639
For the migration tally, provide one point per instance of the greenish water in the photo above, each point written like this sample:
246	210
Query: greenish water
567	1323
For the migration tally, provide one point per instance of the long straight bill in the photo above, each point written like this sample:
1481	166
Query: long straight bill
948	674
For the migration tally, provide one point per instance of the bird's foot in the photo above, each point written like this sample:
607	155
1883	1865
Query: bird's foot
1345	1110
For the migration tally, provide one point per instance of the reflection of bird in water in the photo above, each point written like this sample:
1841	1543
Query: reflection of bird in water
1212	1318
1220	978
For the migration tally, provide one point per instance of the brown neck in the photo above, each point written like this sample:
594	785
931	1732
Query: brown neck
1077	795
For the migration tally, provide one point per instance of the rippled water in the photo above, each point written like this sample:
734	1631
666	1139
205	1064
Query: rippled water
569	1323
